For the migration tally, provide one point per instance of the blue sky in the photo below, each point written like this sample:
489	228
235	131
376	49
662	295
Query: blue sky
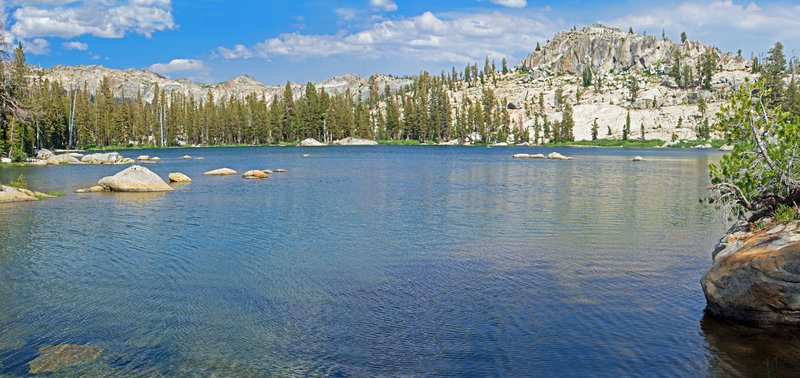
215	40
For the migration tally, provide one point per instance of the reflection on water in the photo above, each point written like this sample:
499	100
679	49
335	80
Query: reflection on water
372	261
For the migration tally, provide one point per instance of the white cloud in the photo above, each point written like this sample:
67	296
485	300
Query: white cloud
383	5
37	46
724	23
192	68
100	18
511	3
75	45
457	38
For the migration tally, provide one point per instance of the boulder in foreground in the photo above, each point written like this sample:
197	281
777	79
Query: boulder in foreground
349	141
135	179
54	358
755	276
221	172
311	142
179	177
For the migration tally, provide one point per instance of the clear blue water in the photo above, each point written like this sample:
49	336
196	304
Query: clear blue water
385	260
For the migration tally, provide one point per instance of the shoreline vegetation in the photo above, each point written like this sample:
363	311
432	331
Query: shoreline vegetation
609	143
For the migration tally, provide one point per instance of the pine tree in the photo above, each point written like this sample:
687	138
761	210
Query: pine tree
627	129
773	71
595	129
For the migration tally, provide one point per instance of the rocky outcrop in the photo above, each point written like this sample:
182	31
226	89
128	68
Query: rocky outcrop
179	177
44	154
54	358
311	142
135	179
11	194
349	141
755	276
133	81
604	49
221	172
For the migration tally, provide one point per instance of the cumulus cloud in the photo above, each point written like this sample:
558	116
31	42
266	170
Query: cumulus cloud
511	3
75	45
99	18
191	68
458	38
384	5
722	22
37	46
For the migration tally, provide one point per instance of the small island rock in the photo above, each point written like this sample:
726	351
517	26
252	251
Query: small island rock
135	179
103	158
143	157
529	156
558	156
255	174
179	177
638	158
221	172
186	157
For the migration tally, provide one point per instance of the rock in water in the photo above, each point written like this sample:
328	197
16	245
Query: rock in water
143	157
54	358
755	276
179	177
310	142
186	157
221	172
106	158
255	175
557	156
12	194
135	179
62	159
726	148
528	156
638	158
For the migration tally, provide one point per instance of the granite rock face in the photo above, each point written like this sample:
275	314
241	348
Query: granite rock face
602	49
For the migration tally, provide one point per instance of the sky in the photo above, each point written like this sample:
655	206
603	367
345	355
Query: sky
302	41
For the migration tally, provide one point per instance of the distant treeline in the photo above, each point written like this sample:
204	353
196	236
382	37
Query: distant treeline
45	114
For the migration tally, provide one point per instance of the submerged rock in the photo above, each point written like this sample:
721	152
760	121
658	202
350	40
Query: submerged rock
255	174
311	142
281	171
135	179
755	276
186	157
221	172
179	177
54	358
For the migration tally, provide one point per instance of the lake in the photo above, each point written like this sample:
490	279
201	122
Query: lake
384	260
